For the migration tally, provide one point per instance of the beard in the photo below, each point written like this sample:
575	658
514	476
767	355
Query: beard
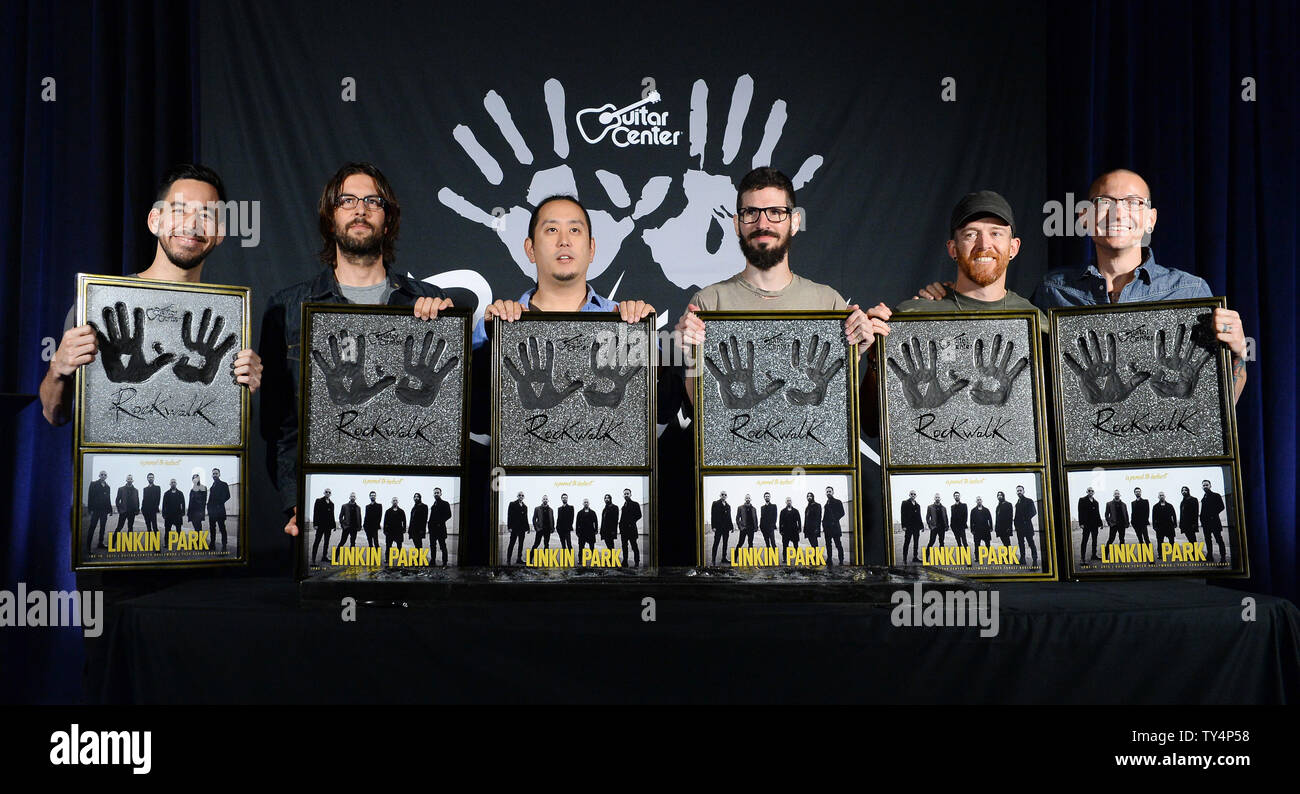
570	276
367	246
764	258
980	273
184	261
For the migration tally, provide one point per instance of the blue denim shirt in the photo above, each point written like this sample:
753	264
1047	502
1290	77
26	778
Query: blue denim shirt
1087	287
594	303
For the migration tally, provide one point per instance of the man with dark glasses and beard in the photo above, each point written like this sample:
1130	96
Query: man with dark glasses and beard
359	217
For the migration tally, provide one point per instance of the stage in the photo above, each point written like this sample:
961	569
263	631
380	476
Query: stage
256	641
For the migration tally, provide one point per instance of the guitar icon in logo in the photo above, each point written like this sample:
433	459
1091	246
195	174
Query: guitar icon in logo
608	116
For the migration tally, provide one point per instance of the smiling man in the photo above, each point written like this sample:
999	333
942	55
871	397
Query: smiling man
186	219
1125	271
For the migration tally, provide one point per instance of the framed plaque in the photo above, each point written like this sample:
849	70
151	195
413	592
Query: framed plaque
383	436
776	418
162	377
159	509
1144	408
160	405
964	457
573	421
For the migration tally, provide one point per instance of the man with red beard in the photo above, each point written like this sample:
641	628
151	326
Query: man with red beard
186	219
983	242
359	218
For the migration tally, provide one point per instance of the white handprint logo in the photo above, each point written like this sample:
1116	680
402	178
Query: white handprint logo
679	246
512	227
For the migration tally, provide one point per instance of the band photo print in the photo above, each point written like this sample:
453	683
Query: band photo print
779	520
981	524
1154	520
573	521
158	508
392	521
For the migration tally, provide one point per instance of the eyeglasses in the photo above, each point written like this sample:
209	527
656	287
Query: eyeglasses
1130	203
348	201
774	214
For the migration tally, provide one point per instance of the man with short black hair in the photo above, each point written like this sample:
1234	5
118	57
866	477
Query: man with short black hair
374	517
767	521
831	515
187	221
151	498
720	520
517	524
1189	515
1140	516
419	523
957	519
439	515
564	522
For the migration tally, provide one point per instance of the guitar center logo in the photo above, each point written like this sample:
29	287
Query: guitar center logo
633	125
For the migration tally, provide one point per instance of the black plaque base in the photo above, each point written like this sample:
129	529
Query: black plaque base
409	587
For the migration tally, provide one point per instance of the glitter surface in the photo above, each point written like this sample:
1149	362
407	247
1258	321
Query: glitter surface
140	397
769	423
1116	420
373	414
546	420
931	425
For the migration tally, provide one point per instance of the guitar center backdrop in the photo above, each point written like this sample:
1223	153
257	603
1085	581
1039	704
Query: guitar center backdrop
476	111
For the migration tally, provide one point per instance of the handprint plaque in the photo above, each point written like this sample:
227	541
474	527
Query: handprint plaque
384	388
961	389
1140	382
775	389
573	390
162	374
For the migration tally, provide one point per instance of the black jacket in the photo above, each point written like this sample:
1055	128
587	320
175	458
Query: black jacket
374	515
281	352
1211	506
128	499
394	522
440	514
609	521
812	520
911	515
629	515
767	517
1140	513
517	517
586	527
350	517
152	498
419	520
173	506
1116	514
959	512
720	518
322	514
1164	517
833	512
564	518
101	497
1187	514
218	495
1025	510
790	522
981	521
1089	512
1002	522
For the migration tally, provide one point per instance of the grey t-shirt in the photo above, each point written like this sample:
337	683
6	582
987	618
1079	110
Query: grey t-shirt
952	302
737	294
374	295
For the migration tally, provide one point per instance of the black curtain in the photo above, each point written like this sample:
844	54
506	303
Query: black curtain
82	155
1202	100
